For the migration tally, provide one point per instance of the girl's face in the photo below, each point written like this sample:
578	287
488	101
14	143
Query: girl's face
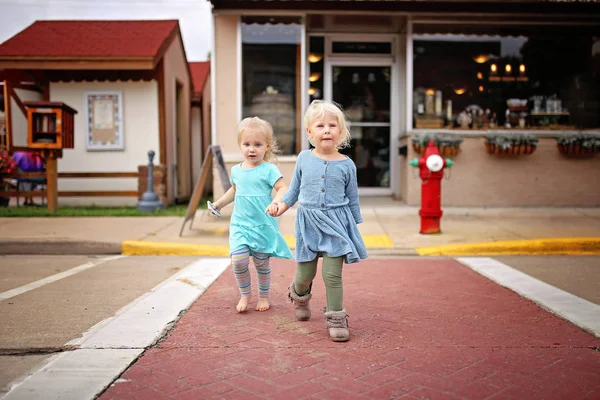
325	133
253	146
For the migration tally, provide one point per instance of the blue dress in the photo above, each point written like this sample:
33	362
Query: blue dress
329	211
249	225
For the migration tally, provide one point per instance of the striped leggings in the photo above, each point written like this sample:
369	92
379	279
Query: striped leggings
240	260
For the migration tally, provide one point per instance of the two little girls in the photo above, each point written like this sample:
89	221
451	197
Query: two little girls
325	185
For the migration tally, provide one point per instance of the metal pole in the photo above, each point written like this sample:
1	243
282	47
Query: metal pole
150	201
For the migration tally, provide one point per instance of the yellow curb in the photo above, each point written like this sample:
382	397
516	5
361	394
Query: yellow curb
290	240
371	241
566	246
145	248
139	248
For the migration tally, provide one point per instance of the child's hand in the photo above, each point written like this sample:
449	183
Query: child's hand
272	209
214	208
281	208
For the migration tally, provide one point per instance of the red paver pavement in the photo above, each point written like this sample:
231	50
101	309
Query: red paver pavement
420	328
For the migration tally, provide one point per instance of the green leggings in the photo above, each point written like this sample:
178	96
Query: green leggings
332	276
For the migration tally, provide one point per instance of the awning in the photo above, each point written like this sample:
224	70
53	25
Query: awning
472	6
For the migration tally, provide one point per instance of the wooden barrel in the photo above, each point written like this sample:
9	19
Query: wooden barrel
278	110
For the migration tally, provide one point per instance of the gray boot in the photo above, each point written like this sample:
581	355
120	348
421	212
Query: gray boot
301	303
337	323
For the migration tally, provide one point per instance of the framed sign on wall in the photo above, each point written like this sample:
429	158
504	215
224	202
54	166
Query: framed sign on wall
104	121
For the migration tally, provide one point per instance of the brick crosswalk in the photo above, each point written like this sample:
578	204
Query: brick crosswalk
420	329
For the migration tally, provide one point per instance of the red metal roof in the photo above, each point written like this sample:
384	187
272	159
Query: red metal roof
112	39
199	72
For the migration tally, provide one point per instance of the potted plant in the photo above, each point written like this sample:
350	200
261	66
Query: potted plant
578	144
514	144
7	167
448	145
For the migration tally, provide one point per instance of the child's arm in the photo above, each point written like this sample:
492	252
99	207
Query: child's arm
281	187
226	199
291	196
293	192
352	194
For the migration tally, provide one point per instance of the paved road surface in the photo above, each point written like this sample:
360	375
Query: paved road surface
39	318
420	327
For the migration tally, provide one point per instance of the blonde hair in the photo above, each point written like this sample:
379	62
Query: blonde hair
256	124
316	111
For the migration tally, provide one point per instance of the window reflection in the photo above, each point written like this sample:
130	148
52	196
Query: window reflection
271	73
364	94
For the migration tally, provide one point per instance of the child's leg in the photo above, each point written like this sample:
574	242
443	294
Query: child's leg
263	272
240	260
305	274
336	319
332	276
299	290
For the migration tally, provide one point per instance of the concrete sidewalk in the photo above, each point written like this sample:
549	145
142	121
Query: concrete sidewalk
389	228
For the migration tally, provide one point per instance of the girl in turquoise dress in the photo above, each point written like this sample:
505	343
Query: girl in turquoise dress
325	186
253	231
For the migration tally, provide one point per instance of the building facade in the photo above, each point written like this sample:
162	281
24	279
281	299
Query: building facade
468	72
132	87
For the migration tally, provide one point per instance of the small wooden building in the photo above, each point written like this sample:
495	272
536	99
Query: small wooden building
133	90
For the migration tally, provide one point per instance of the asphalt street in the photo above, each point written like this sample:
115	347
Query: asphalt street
49	301
50	305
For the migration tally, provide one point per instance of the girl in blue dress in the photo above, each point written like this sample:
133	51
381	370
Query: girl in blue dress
253	231
324	183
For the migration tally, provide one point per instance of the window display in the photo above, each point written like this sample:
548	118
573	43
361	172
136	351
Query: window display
271	75
538	80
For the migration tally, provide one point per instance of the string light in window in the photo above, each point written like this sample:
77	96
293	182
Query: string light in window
315	57
315	76
481	59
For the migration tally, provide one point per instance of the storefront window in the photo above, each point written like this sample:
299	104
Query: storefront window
545	79
316	60
271	75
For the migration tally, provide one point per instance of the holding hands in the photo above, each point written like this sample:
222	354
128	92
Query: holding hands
276	208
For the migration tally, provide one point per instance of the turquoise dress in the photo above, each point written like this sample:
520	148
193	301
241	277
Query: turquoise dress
250	226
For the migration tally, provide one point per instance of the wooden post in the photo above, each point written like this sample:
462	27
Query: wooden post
52	179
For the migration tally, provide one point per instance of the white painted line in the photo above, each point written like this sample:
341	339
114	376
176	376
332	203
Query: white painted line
107	349
578	311
141	322
53	278
78	375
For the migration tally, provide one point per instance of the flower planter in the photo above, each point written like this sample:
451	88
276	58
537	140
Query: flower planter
517	150
447	145
575	150
516	145
445	151
578	145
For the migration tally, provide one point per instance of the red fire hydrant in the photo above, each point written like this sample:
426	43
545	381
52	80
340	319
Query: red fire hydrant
431	170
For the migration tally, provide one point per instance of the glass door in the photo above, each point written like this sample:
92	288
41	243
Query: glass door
364	92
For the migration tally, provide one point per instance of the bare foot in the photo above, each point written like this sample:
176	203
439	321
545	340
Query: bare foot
243	304
263	304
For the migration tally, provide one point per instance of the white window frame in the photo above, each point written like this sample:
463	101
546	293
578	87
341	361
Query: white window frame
395	91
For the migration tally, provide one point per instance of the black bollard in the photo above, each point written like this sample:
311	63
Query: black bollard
149	201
